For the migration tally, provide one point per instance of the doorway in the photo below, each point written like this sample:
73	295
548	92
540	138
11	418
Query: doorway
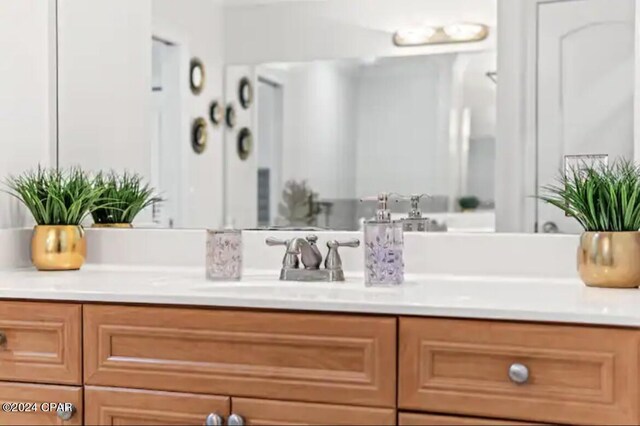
585	91
166	173
269	146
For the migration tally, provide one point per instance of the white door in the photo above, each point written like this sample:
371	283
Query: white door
165	134
585	89
270	121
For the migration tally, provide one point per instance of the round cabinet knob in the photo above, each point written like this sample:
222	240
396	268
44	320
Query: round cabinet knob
214	420
235	420
65	414
519	373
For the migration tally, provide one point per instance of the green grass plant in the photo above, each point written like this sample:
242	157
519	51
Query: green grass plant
56	197
122	198
602	198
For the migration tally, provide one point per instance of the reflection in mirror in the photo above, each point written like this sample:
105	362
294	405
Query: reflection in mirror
196	74
348	128
358	97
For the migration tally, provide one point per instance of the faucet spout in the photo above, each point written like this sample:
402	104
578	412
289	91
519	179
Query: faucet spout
309	254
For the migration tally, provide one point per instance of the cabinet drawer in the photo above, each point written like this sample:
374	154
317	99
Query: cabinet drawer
41	342
112	406
264	412
575	374
37	399
412	419
319	358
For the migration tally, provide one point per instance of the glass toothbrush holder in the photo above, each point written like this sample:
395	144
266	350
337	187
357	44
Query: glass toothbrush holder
383	253
224	255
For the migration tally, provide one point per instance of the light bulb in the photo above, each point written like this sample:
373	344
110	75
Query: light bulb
465	31
413	36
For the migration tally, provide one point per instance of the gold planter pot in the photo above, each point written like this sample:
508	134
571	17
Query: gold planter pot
610	259
58	248
112	225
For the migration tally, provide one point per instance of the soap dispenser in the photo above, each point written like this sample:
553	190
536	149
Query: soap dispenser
414	222
383	246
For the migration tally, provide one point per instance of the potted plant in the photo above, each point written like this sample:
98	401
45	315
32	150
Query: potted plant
122	198
299	206
469	203
59	201
605	200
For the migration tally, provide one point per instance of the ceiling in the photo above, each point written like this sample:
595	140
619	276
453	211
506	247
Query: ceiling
397	12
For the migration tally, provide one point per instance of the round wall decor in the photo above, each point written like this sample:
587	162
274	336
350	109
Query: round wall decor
245	92
215	113
245	143
199	135
230	116
196	76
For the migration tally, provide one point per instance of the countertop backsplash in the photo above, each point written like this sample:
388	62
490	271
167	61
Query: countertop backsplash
513	255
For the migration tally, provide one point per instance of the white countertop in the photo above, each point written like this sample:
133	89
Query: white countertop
549	300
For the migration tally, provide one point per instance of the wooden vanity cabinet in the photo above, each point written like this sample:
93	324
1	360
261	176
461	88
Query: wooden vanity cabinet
546	373
40	363
415	419
41	342
284	356
269	412
117	406
283	368
166	365
31	404
120	406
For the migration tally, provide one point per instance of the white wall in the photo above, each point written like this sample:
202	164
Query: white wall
197	26
332	29
354	128
481	178
403	124
104	63
319	127
27	94
311	30
514	126
241	176
105	91
480	93
479	96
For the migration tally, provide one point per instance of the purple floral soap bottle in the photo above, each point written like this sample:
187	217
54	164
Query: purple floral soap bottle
383	246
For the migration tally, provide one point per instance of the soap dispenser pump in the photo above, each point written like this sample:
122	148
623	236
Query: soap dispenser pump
415	222
383	246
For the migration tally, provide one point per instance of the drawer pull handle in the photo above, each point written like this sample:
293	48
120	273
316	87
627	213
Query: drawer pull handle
214	419
65	414
3	339
235	420
519	373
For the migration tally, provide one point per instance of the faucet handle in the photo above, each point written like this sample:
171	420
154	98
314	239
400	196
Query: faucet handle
290	260
276	242
414	212
333	260
354	242
383	214
411	197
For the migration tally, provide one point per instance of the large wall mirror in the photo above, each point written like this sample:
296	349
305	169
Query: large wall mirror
358	97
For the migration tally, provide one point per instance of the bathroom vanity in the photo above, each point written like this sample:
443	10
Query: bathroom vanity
175	349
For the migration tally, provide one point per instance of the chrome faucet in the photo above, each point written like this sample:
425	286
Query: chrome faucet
306	251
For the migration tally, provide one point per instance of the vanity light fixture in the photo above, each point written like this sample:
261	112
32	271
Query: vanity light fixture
466	32
454	33
414	36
